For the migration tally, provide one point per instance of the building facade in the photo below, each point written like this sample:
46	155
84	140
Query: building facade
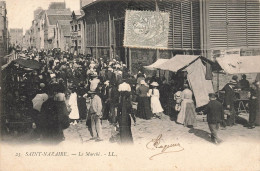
197	27
77	33
16	37
62	35
26	39
56	11
4	36
105	30
230	27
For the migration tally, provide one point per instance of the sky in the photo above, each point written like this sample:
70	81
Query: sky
20	12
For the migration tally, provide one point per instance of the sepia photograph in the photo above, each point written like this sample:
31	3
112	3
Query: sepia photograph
127	85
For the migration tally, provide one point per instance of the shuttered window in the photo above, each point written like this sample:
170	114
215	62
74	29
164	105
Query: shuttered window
185	25
103	33
218	23
195	25
167	6
253	22
234	23
91	34
177	26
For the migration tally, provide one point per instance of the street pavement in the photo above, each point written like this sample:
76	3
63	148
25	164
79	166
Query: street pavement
190	149
149	129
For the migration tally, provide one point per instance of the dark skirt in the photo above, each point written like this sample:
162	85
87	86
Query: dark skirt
125	129
190	115
124	119
82	107
144	108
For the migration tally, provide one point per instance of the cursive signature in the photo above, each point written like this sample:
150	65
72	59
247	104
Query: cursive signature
165	148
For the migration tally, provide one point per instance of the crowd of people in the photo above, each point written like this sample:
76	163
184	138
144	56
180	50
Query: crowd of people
66	91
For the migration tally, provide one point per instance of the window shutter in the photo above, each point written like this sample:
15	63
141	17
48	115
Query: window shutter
236	23
186	25
218	23
253	22
177	26
167	6
196	24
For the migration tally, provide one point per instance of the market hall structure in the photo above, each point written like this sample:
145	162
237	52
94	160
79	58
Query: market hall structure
209	28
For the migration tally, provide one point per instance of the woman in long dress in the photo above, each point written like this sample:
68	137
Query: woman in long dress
143	107
156	106
124	111
74	114
187	114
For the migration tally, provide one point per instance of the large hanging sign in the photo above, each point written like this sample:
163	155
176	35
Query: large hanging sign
146	29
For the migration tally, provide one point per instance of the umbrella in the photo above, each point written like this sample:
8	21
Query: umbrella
38	101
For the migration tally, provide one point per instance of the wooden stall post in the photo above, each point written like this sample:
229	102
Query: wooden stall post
130	60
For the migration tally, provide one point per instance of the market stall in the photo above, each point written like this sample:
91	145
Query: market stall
16	114
241	65
196	75
154	65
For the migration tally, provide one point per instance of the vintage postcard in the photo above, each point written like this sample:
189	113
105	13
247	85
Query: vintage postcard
129	85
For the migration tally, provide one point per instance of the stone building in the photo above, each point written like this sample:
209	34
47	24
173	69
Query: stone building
16	37
4	37
62	35
55	12
77	33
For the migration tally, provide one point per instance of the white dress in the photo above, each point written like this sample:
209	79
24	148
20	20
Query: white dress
74	114
155	102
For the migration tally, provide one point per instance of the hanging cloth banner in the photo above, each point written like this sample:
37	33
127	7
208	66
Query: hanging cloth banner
146	29
199	85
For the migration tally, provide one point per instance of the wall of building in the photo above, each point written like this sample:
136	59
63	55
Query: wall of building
230	27
16	37
4	37
105	30
77	35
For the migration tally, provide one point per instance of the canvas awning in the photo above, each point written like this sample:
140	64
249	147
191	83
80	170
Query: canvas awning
32	64
240	65
178	62
196	75
156	64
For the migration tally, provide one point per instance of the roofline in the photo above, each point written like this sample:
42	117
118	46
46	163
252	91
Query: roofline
90	4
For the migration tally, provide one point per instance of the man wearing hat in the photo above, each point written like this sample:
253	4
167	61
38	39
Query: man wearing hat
110	75
215	114
230	96
94	82
95	111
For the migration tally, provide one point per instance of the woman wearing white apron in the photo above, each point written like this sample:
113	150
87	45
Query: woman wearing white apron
74	114
187	114
156	106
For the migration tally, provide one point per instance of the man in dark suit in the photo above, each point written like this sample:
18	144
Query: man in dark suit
230	97
215	113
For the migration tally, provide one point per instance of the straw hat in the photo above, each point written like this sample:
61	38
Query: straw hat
91	92
178	94
155	84
142	82
106	82
42	85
